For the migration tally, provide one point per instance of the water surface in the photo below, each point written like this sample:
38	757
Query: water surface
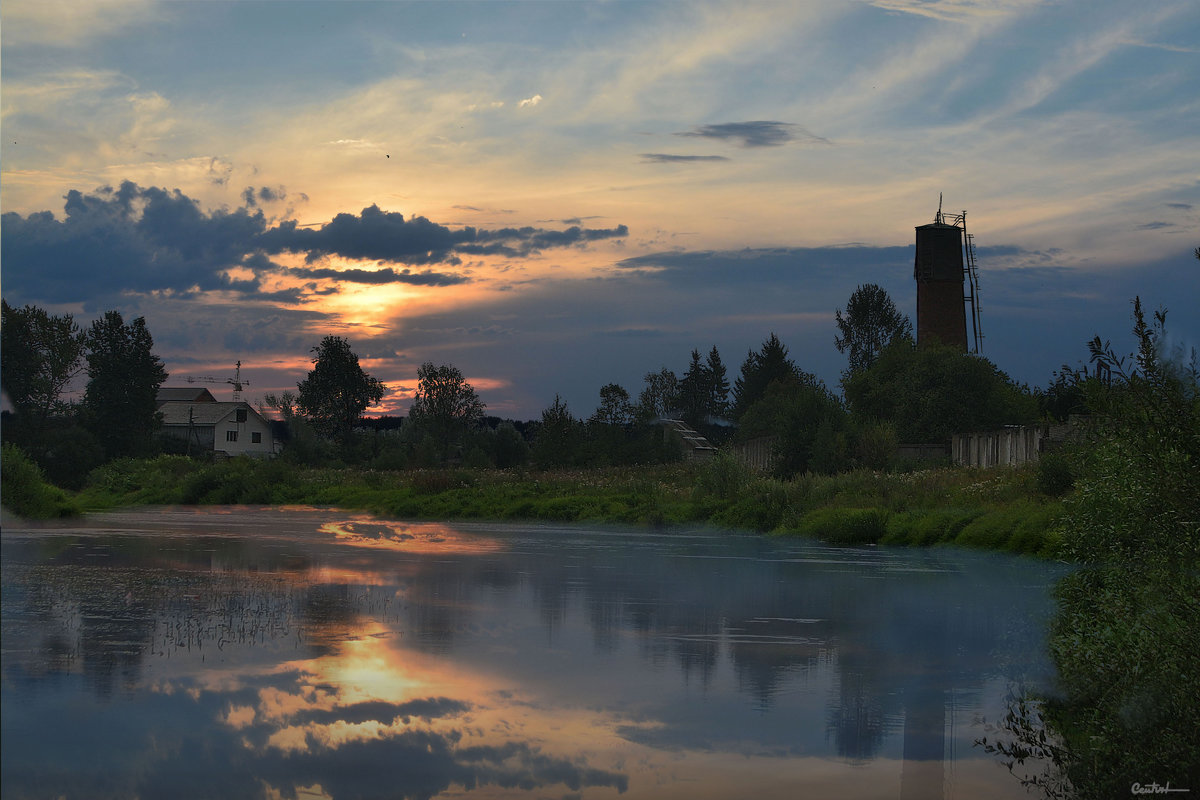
303	653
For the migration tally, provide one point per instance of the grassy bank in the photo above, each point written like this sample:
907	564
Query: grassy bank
995	509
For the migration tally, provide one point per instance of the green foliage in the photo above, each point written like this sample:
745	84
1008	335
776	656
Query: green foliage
1128	628
68	453
798	411
873	445
25	491
337	390
722	477
120	402
872	322
1055	476
845	525
931	393
927	527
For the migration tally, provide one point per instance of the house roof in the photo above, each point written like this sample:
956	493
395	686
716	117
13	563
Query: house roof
202	413
167	394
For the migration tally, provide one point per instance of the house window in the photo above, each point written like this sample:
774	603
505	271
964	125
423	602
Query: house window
231	436
241	415
256	438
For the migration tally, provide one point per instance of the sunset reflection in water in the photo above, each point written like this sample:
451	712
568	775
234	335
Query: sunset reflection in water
302	653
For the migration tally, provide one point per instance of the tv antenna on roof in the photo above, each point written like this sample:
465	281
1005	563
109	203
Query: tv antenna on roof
236	381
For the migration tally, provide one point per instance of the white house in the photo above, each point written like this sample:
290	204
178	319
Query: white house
208	426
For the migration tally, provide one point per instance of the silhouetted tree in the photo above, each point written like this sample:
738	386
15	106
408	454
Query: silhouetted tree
41	355
123	379
694	392
661	395
871	324
337	390
760	370
557	439
615	407
718	385
445	406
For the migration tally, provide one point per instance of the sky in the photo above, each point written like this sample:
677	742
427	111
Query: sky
554	196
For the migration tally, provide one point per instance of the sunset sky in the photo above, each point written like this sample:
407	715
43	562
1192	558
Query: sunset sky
553	196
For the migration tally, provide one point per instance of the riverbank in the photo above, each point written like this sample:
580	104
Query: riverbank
999	509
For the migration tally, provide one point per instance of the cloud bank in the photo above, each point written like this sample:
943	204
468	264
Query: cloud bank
141	240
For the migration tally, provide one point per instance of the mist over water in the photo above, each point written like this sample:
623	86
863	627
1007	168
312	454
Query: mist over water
243	652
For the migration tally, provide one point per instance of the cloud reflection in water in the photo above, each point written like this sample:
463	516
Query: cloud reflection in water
424	660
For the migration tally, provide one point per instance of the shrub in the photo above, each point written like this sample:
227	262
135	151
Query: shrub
1054	474
25	491
845	525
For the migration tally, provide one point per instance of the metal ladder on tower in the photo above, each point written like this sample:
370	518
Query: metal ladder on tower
972	296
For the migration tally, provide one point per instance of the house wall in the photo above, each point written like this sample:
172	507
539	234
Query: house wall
245	444
201	435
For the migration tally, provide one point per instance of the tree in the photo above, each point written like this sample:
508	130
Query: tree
445	406
337	390
798	411
760	370
41	355
615	407
661	395
120	401
718	385
930	394
557	438
871	324
694	392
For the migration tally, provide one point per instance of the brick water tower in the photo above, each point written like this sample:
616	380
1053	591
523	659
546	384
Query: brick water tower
947	283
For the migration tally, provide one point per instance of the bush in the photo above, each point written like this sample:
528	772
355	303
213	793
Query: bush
723	477
845	525
25	491
1054	474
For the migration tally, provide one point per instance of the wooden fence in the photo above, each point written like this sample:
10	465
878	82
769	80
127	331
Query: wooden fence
1007	447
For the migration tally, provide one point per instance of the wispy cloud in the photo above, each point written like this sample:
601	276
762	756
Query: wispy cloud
66	22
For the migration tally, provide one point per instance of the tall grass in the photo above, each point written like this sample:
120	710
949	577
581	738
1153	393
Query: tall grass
998	509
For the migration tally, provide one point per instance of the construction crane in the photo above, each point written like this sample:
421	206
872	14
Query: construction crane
236	381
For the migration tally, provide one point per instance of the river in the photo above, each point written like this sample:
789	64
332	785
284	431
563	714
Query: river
231	652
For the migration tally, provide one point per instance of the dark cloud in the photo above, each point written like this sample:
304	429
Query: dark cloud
671	158
388	236
127	239
135	240
1180	206
381	276
1154	226
251	196
756	133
